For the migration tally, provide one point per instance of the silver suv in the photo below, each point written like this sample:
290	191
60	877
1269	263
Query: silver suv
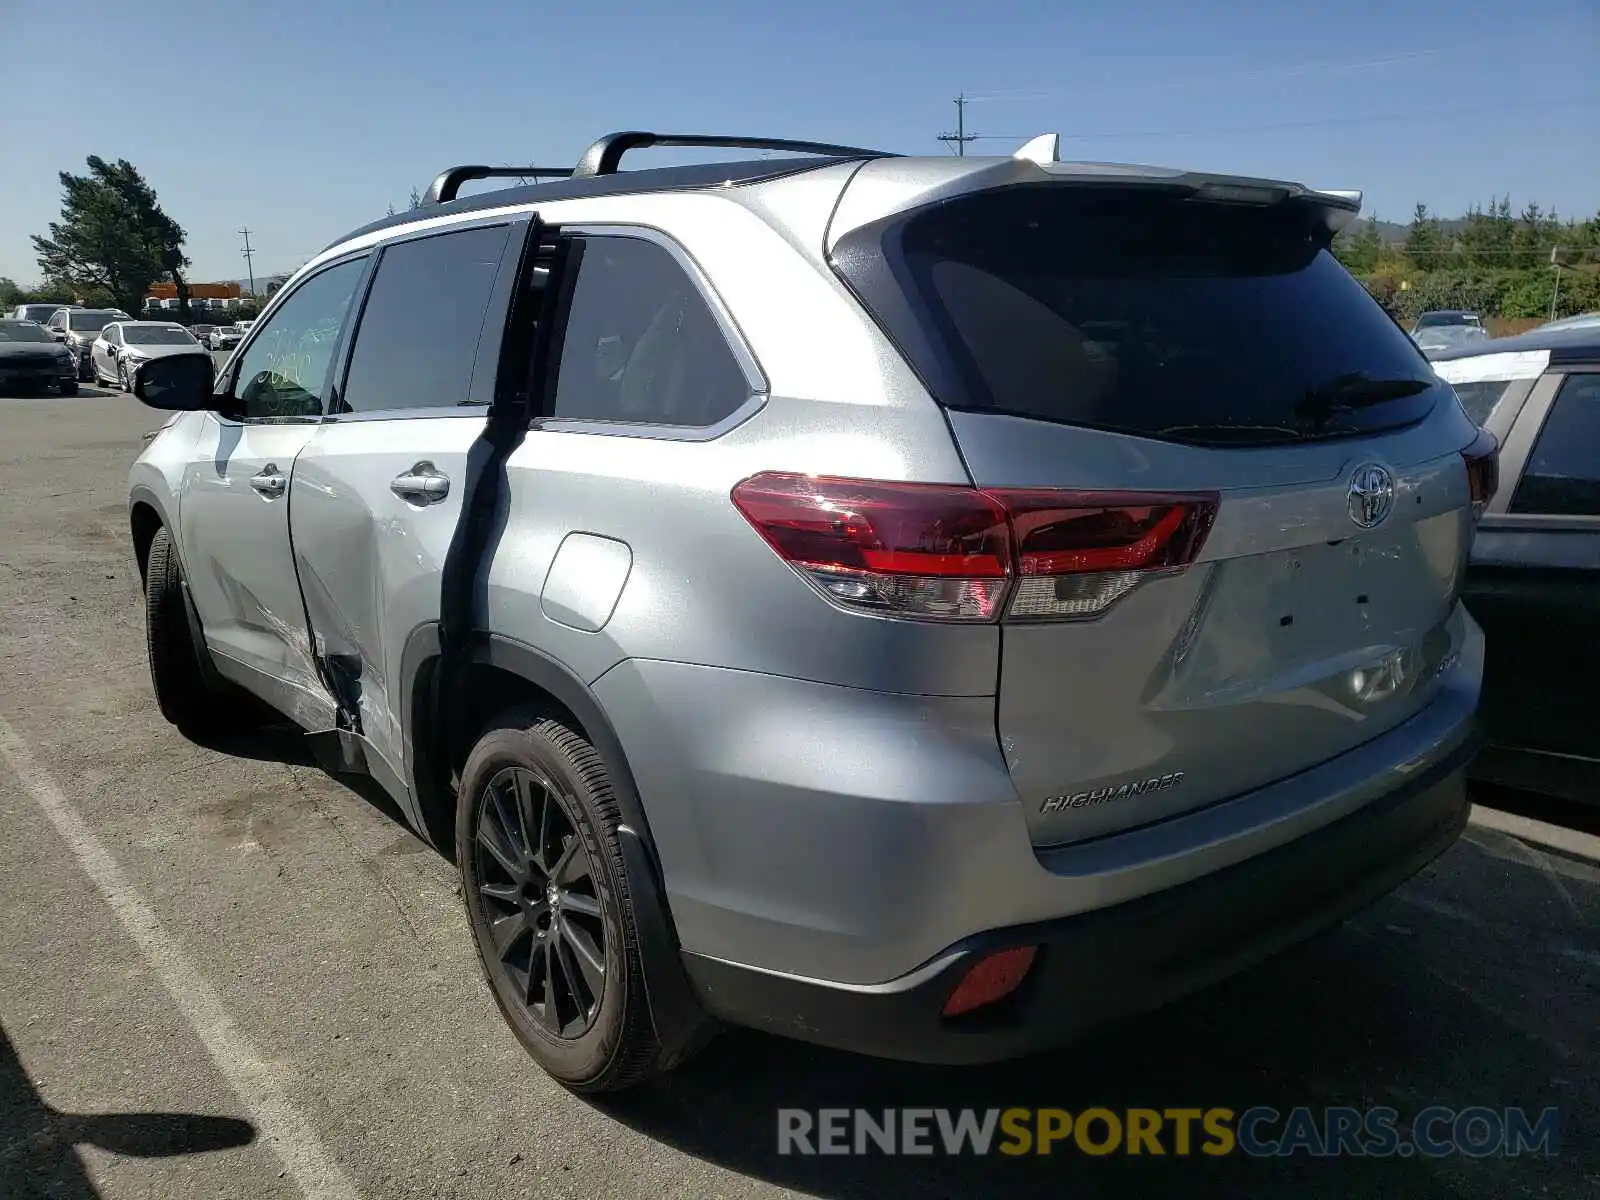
928	606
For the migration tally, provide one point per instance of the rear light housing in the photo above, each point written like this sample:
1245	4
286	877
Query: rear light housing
1482	459
953	553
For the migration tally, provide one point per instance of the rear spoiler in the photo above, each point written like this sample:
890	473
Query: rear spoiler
904	184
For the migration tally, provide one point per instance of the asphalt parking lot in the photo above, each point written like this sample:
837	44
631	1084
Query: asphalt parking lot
227	974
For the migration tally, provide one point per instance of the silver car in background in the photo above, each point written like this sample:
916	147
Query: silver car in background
926	606
124	346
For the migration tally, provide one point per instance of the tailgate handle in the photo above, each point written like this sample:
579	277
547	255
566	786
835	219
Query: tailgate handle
423	484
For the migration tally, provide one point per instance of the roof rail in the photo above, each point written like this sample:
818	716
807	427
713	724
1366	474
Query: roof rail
445	188
604	157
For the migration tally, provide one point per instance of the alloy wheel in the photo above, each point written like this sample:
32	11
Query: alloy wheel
545	929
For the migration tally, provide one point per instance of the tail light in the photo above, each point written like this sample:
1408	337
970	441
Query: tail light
945	552
1483	470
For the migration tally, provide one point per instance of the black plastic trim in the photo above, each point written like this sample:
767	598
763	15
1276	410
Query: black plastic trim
1099	967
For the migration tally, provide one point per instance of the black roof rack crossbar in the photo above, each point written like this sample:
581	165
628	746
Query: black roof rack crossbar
445	188
604	157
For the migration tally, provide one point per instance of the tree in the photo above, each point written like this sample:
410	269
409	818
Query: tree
10	294
416	200
112	237
1360	248
1424	239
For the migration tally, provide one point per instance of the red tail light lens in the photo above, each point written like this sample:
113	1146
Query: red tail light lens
924	550
952	553
1483	470
1077	554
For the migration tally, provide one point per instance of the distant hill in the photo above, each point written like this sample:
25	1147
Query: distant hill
1393	233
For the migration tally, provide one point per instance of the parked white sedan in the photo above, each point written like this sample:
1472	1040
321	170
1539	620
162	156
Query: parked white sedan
123	345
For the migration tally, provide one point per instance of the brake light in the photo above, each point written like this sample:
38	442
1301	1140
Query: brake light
957	553
1482	458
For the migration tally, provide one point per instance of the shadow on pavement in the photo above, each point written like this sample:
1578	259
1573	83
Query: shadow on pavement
37	1142
1477	984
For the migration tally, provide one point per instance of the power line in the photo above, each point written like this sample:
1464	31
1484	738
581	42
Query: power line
960	137
249	260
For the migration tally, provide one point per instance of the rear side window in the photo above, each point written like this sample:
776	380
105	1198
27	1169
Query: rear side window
1562	477
641	344
1143	312
1480	399
424	314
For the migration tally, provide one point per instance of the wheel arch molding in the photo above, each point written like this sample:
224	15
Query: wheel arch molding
435	747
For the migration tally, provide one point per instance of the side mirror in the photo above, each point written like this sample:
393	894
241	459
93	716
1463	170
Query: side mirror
180	382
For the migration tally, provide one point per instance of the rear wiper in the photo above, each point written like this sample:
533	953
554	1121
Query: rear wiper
1348	392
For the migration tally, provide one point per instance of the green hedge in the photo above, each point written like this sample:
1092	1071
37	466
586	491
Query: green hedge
1522	293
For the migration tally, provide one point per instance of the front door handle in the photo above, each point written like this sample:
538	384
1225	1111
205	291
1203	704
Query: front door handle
270	482
422	484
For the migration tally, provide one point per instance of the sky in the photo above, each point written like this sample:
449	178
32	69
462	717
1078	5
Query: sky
301	120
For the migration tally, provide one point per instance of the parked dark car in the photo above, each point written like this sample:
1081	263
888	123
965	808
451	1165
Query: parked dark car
31	357
1533	581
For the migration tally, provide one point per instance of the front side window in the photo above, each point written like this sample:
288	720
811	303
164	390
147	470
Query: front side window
113	334
424	314
1562	477
640	344
284	371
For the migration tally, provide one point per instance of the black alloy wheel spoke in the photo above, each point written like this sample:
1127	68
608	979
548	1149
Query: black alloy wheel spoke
591	962
544	924
576	903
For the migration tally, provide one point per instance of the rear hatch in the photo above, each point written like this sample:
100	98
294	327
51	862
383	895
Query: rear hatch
1236	488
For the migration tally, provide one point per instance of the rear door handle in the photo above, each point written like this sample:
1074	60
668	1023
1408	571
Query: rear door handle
422	484
270	482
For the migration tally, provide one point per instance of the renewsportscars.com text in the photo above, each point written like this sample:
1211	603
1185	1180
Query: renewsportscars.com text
1259	1132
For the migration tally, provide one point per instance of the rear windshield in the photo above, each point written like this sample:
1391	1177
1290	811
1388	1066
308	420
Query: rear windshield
23	331
1139	312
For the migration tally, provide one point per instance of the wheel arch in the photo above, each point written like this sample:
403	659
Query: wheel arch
146	515
499	673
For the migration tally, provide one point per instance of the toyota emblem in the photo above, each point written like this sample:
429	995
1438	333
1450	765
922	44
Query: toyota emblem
1371	495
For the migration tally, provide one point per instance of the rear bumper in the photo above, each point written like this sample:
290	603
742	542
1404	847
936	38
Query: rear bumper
1111	963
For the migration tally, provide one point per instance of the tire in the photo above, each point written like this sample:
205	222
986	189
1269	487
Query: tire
69	387
574	816
185	699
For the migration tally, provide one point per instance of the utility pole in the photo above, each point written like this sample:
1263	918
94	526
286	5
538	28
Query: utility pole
249	261
960	137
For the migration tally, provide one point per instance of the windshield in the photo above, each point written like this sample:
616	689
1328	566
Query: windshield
1147	313
89	322
22	331
156	335
1436	320
38	312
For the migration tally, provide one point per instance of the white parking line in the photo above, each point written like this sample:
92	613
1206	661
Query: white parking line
279	1123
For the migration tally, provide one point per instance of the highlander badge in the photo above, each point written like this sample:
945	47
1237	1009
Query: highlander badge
1110	795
